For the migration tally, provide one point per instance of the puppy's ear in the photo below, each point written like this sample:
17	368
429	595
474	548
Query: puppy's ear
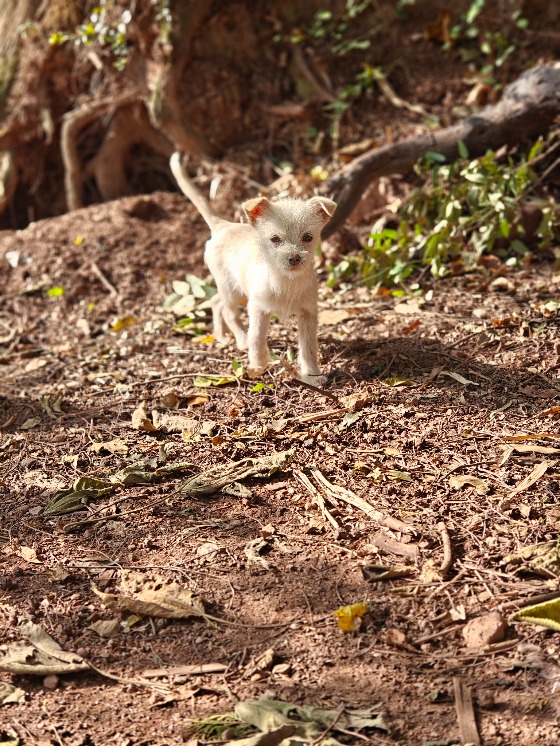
324	206
254	208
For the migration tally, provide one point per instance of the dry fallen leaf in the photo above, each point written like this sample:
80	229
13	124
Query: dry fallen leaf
40	656
11	694
174	423
116	446
534	476
141	421
106	628
165	601
457	482
332	316
29	554
458	377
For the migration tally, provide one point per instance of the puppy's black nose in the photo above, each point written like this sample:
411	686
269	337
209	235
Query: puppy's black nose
294	260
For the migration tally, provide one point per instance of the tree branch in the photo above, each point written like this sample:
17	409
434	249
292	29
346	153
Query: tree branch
526	110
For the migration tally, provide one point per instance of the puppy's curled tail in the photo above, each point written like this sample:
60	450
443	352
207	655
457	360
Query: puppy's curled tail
190	191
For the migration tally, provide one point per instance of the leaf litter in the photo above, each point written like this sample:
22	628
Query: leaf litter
416	430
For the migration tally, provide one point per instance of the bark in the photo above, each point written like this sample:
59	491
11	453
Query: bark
166	108
526	110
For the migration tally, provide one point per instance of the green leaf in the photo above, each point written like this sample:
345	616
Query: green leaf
462	149
432	156
237	368
55	291
260	386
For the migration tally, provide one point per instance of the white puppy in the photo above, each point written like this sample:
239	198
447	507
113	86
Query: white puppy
268	261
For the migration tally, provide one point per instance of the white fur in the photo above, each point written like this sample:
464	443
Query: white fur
275	276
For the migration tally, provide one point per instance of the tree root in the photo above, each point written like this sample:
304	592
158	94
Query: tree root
129	126
73	123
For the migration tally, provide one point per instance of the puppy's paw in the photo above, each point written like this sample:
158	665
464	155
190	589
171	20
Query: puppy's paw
259	360
254	372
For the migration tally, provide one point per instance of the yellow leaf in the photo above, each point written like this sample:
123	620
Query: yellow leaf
350	617
205	340
546	614
78	241
205	381
399	382
123	323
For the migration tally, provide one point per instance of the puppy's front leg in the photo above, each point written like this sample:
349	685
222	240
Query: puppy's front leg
259	322
308	347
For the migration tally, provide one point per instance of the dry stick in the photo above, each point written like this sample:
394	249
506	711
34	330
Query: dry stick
340	493
300	476
327	730
315	389
542	598
447	560
465	713
104	281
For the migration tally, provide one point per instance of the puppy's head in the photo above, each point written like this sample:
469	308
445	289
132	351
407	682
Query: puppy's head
289	230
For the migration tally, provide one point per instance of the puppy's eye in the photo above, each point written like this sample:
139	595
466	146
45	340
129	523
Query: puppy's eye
307	238
275	240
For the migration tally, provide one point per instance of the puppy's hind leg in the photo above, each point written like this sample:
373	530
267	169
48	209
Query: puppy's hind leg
218	318
231	314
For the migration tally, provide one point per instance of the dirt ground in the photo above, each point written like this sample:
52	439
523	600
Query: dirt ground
440	412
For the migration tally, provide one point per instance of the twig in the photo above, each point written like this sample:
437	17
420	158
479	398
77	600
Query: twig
315	389
104	281
542	598
328	729
447	560
309	75
463	339
300	476
465	713
8	422
340	493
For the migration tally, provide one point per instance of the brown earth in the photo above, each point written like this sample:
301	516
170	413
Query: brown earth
421	394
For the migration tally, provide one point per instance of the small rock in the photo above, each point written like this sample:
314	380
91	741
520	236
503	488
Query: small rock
485	630
502	285
206	549
51	682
